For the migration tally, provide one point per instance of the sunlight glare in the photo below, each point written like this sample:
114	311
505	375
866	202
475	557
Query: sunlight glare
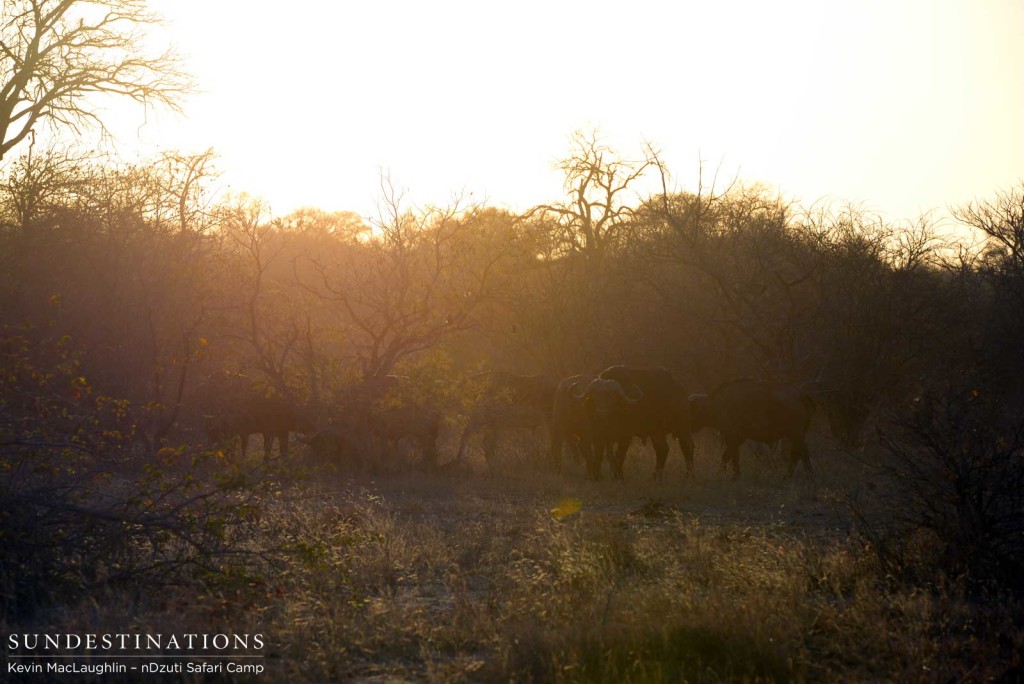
905	107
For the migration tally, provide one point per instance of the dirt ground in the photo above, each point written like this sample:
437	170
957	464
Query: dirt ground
516	574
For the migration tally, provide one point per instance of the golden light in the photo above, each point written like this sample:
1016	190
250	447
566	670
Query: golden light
904	106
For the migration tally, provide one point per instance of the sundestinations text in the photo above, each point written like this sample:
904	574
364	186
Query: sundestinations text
17	643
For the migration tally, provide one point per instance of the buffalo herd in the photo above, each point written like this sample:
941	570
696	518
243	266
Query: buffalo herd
594	417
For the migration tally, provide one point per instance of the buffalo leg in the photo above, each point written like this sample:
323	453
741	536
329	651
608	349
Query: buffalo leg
732	456
556	450
428	445
660	444
593	454
469	430
617	459
475	424
686	446
799	453
576	449
269	438
268	444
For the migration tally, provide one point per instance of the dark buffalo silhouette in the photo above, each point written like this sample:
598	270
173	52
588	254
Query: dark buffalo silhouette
333	448
413	422
662	410
611	414
235	417
373	419
367	440
509	401
751	409
569	420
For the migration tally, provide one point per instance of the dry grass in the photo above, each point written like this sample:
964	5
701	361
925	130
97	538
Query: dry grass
518	577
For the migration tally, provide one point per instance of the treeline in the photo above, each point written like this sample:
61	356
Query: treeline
127	290
158	286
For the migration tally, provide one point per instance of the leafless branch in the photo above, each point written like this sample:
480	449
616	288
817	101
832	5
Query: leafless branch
54	54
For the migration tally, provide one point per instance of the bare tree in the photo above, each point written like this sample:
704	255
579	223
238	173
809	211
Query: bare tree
417	278
597	183
1002	222
267	323
36	187
735	253
56	53
182	180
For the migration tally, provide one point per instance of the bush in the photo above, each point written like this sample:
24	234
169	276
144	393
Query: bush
956	466
82	502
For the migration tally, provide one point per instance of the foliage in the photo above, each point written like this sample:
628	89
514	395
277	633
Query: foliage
84	503
167	287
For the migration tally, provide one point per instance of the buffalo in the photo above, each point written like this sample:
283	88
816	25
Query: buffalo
612	414
369	440
375	418
661	410
411	422
751	409
240	416
509	402
569	420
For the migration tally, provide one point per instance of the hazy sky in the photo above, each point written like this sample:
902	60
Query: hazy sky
902	105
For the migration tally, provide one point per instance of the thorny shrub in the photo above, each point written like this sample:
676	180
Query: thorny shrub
83	503
954	485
